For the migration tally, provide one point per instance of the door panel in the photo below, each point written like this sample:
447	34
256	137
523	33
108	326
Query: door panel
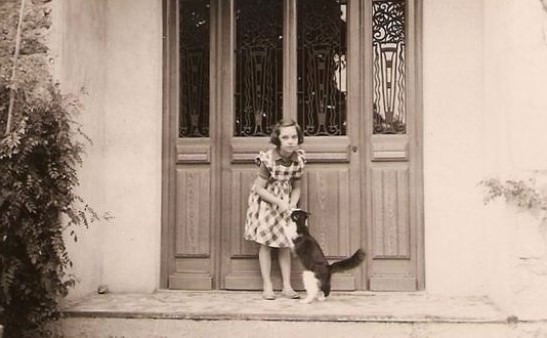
242	179
193	233
390	227
326	193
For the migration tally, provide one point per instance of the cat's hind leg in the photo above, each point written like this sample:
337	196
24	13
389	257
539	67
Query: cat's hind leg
311	284
321	296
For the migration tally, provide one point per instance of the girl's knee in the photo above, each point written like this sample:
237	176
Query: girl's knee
283	251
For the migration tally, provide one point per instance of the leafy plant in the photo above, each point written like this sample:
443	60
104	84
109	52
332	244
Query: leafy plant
524	194
40	151
38	162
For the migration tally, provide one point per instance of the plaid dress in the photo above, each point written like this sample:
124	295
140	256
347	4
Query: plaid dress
264	224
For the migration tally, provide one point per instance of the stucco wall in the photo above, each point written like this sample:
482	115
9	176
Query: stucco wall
484	109
454	160
77	43
516	66
133	140
113	49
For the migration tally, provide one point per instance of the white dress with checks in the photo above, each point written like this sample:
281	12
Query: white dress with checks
264	224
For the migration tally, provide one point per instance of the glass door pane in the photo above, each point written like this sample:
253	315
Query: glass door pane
259	66
389	69
322	61
194	69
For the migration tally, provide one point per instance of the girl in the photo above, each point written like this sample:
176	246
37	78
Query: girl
274	193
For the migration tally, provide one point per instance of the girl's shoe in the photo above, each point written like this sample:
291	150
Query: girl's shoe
268	295
291	294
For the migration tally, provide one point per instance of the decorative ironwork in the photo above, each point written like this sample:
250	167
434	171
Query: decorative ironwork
389	69
259	59
322	86
194	69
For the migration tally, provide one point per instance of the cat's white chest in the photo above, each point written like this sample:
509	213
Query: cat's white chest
290	232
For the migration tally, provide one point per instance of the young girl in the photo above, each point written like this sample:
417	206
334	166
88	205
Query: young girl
274	193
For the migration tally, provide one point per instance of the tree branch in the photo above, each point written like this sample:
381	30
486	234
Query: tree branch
13	72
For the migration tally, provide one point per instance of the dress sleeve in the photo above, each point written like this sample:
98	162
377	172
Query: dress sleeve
263	161
263	171
301	155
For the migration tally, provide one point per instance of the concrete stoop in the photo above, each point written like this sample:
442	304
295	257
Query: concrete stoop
245	314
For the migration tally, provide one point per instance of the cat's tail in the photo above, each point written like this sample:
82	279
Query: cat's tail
348	263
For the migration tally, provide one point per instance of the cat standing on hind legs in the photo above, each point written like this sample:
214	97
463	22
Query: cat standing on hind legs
317	270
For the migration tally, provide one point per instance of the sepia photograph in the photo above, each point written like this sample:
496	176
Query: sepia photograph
273	168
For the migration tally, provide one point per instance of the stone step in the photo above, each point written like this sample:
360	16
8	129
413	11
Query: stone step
246	314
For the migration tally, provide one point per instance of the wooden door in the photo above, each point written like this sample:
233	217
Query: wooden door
393	197
233	69
314	74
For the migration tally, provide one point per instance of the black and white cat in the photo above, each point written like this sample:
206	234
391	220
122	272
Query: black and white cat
317	270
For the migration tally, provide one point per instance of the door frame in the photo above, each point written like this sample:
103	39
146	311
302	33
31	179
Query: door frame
169	137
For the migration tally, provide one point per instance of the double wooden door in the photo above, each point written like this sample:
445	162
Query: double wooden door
233	68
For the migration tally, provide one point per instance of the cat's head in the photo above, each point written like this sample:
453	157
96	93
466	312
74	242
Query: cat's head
297	226
300	216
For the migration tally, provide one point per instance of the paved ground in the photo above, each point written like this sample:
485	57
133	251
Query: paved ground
212	314
339	307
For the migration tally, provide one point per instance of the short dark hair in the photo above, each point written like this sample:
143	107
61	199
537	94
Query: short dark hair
282	124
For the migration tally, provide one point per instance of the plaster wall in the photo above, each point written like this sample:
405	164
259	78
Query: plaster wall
484	108
113	49
454	162
133	109
517	73
77	43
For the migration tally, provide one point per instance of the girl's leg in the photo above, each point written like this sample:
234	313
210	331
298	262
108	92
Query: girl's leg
265	260
285	267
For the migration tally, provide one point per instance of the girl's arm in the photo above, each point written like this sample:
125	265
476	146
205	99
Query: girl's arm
295	194
260	189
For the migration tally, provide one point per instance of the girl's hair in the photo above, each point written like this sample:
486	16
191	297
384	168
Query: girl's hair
282	124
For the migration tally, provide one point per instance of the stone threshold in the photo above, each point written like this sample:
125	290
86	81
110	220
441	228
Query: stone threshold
396	307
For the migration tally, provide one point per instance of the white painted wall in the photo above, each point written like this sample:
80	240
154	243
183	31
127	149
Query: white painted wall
485	74
77	42
133	105
516	67
453	48
114	49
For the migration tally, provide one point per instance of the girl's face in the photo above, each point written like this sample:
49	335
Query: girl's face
288	136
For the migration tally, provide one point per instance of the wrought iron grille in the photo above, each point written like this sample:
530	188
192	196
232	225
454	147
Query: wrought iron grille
259	59
322	86
389	71
194	69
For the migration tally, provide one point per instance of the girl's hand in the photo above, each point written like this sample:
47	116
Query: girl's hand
283	206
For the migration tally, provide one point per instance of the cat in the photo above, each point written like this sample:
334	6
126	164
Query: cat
317	270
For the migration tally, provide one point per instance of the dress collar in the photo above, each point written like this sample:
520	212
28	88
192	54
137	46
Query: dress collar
277	156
